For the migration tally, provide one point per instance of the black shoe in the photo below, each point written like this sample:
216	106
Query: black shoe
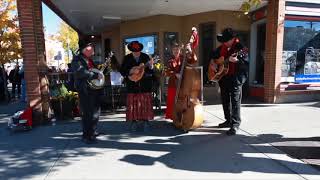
232	131
89	140
146	126
133	126
224	124
97	133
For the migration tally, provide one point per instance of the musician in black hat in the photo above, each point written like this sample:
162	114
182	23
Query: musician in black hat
230	84
139	97
89	98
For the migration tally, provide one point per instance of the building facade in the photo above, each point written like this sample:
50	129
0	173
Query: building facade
282	37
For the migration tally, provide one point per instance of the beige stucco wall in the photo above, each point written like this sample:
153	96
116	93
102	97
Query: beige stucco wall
222	19
113	34
166	23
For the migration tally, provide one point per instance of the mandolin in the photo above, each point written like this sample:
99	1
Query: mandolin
136	73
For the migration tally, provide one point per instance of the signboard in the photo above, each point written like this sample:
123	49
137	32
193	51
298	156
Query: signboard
58	57
312	61
289	61
307	78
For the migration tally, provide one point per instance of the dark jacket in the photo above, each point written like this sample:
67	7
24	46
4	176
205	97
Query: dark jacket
81	74
145	84
241	67
14	76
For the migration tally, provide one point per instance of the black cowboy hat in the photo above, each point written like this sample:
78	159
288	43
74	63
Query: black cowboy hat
83	44
226	35
135	46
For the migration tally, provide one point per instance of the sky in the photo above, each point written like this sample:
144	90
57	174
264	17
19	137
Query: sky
305	24
50	19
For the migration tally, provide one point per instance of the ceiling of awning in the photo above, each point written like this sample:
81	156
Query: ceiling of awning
92	16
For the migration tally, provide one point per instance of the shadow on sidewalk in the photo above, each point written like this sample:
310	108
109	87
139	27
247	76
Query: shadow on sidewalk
208	149
305	149
315	105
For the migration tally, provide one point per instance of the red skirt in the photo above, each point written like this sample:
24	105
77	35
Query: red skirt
170	102
139	107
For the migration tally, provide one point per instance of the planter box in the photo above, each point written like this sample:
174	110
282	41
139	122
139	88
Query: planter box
62	109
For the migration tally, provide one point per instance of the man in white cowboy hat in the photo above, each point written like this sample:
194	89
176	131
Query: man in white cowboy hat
231	83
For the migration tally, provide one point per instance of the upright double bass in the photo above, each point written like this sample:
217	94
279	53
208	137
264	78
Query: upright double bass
188	109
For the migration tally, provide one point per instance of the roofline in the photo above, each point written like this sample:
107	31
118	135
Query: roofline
55	9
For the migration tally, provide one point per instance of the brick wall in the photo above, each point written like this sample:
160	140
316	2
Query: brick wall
274	47
32	37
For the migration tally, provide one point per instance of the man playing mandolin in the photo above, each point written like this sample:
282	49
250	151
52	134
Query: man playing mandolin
234	58
137	68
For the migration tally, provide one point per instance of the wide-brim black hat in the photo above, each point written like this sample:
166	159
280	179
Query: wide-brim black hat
83	44
226	35
135	46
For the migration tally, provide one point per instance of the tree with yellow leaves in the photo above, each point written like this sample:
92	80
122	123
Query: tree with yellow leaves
10	43
68	37
248	4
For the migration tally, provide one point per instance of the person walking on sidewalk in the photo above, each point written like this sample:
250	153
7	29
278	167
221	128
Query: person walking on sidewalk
89	98
231	83
15	79
23	85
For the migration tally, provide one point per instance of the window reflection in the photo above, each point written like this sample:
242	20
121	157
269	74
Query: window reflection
301	49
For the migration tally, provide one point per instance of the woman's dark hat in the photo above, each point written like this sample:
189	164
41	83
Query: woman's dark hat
226	35
135	46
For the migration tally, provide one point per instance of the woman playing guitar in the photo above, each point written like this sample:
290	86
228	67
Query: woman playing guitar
137	69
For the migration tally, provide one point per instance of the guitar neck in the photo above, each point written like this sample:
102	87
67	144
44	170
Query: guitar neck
181	73
105	64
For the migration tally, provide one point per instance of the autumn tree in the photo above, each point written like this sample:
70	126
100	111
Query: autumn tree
68	37
248	4
10	44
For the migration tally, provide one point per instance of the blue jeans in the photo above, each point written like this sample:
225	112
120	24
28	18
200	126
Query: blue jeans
23	91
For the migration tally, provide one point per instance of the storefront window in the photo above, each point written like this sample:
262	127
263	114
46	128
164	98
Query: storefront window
149	43
301	52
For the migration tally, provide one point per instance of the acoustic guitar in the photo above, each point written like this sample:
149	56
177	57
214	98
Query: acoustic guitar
219	67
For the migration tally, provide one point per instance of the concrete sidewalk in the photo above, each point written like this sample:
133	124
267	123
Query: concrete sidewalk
292	128
56	152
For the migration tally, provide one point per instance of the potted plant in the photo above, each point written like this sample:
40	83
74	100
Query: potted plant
62	101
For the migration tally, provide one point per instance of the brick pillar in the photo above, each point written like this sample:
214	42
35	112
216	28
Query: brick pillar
274	47
33	45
